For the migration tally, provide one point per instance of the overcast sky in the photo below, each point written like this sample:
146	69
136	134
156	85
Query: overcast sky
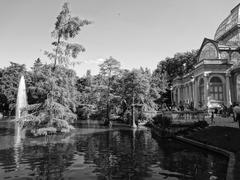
135	32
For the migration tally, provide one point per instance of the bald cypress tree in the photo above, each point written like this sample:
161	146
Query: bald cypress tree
108	69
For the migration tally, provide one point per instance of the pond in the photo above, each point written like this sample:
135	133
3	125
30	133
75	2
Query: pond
97	153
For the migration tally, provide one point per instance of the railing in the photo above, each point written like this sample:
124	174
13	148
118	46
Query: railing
187	115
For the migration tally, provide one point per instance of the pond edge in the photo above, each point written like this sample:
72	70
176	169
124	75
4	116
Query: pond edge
230	155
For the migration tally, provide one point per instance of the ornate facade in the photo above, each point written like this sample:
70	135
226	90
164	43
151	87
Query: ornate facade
215	79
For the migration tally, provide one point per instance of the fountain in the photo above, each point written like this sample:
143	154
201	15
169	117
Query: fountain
21	97
21	103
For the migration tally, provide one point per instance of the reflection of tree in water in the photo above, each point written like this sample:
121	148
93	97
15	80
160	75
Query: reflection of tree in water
120	154
43	160
125	154
131	154
49	161
7	159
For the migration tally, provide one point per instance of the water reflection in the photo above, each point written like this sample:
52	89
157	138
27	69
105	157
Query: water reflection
105	154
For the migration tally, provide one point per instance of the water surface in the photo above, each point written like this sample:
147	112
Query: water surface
95	153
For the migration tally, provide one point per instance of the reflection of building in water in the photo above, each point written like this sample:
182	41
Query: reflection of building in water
216	77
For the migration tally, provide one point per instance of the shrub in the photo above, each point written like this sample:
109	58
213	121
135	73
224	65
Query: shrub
162	121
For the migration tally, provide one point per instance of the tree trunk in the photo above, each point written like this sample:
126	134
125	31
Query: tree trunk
108	96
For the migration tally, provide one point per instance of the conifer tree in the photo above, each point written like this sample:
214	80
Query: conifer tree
56	113
109	68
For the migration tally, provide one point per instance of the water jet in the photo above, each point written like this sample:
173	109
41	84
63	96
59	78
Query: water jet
21	103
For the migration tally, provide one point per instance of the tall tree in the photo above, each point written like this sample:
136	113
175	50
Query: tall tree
169	68
179	64
56	113
66	27
108	69
136	90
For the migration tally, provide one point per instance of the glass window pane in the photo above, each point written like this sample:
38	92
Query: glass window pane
216	89
220	97
211	96
211	89
215	80
220	88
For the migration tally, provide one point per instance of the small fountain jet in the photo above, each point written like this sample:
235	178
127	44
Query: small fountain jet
21	97
21	103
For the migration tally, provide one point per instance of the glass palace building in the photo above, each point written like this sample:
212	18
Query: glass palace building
215	79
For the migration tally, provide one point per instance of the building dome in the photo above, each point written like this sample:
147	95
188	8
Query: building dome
228	30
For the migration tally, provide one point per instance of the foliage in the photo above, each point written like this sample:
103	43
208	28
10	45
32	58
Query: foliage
162	121
180	64
55	84
36	88
111	92
55	93
84	111
109	67
58	102
170	68
159	83
136	89
91	90
109	70
9	80
66	27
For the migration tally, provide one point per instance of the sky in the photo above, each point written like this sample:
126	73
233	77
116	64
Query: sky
135	32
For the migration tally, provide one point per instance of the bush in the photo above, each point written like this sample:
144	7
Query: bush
162	121
84	112
200	124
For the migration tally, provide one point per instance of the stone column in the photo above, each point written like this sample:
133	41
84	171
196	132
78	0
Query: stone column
228	91
173	95
184	92
178	95
206	87
189	92
195	94
192	89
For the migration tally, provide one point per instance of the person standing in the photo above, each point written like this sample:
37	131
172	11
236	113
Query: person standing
212	117
236	114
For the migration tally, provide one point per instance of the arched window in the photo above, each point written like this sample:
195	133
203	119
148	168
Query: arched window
209	51
201	91
216	89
